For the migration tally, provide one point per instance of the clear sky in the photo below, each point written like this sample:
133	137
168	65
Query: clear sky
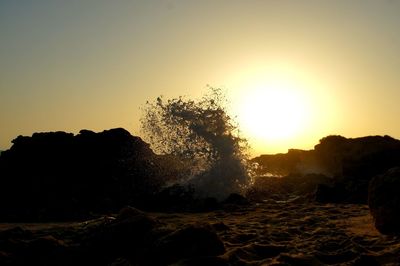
295	71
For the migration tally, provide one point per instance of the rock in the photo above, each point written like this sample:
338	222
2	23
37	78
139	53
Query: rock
192	241
209	204
384	201
286	188
60	176
129	235
350	163
329	193
123	234
236	199
129	212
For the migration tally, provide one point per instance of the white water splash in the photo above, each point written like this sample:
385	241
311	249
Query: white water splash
203	135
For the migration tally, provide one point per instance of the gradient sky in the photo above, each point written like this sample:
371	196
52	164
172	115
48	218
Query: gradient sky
68	65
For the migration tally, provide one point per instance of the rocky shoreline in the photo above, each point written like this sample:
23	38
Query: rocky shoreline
62	203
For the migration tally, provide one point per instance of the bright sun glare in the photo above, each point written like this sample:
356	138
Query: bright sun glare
279	106
274	111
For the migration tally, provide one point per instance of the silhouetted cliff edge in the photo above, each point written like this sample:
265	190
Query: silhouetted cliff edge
58	175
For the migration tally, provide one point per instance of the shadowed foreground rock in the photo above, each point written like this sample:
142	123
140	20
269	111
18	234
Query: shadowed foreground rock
192	241
384	201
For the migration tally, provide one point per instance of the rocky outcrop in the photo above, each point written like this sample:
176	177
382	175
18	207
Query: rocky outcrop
333	156
352	185
280	164
384	201
57	175
350	162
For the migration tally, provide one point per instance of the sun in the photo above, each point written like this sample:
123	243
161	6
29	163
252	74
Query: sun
274	111
283	105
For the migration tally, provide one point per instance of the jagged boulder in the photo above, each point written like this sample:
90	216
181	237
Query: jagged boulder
58	175
384	201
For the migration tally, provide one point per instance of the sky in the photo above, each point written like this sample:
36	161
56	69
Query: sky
293	71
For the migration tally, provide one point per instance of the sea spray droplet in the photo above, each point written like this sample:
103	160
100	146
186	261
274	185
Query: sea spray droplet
201	134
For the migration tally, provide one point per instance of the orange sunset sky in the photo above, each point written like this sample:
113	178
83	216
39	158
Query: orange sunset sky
293	71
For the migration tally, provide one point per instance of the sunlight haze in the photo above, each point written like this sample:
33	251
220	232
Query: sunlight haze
294	71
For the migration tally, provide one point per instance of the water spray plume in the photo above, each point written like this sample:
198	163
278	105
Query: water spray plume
201	134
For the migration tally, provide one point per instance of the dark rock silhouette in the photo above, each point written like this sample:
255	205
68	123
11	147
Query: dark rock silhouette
326	193
236	199
332	156
192	241
352	186
280	164
350	162
130	234
384	201
56	175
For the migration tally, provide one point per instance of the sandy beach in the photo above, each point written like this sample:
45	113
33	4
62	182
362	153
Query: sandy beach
276	233
271	233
